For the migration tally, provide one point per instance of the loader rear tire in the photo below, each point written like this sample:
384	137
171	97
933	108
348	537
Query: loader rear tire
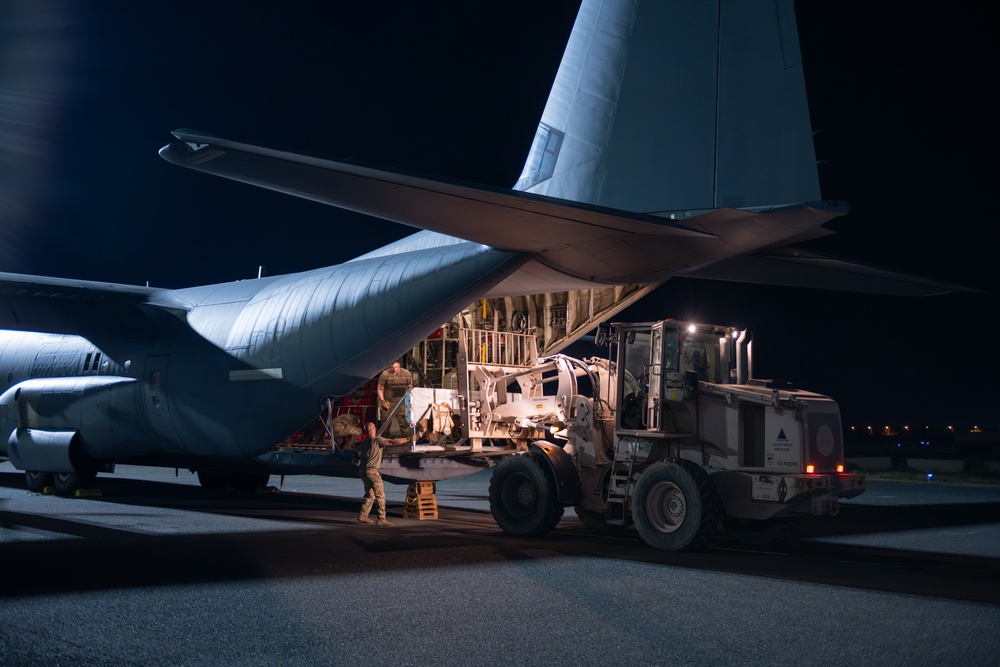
675	507
523	497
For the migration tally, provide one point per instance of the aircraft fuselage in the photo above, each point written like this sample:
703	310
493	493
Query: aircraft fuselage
234	371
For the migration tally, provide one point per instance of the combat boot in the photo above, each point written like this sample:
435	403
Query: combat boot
364	519
384	522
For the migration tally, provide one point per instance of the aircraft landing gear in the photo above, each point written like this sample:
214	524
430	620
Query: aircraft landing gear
35	481
68	483
65	483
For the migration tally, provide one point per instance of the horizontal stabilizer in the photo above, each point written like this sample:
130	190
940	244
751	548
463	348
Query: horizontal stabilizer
600	245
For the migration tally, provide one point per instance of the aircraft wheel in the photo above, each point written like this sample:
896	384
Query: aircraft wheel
36	481
523	497
66	483
675	507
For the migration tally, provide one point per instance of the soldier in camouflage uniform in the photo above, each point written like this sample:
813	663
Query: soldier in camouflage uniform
346	431
370	458
393	384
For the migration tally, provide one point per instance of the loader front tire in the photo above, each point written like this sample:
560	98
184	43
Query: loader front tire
523	497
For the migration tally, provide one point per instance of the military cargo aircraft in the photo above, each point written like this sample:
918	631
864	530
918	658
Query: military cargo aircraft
676	142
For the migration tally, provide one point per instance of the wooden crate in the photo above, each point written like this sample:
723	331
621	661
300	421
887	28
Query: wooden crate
421	503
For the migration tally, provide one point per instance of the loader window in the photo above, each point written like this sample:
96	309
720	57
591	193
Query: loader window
634	355
700	353
669	351
694	357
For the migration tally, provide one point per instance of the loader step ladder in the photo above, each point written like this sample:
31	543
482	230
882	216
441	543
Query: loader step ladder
421	501
616	505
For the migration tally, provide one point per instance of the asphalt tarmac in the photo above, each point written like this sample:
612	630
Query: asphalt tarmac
157	571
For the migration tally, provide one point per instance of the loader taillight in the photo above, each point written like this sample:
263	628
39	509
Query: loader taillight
810	469
840	467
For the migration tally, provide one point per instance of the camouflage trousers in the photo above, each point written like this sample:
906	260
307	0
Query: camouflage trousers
400	417
374	493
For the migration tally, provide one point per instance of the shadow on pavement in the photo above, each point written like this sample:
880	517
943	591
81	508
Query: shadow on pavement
328	541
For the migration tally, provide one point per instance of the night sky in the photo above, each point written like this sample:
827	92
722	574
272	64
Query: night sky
90	91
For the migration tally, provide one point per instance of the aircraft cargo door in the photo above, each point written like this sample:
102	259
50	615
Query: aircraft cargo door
155	393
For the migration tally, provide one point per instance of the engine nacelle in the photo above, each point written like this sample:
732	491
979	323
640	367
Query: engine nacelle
42	420
46	451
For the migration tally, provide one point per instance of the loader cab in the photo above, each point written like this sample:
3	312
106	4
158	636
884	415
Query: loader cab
662	362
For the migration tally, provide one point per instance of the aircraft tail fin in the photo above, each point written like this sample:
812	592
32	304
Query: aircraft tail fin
665	106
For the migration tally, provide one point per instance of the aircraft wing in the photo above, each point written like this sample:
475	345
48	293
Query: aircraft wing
599	245
89	309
